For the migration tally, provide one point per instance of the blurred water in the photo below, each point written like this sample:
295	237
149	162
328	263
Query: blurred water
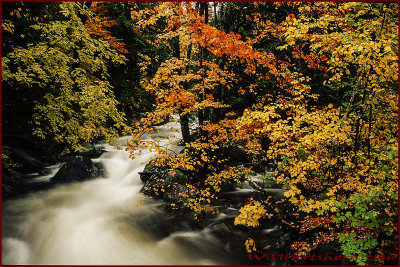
97	222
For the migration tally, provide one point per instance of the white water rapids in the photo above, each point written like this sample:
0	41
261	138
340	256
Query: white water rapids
97	222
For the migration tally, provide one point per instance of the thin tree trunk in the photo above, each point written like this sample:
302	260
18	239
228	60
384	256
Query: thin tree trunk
215	12
358	125
203	114
183	118
369	130
185	127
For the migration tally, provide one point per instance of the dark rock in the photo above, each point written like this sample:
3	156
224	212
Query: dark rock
145	176
101	171
168	185
149	170
26	161
78	168
16	184
9	186
220	228
173	194
175	177
194	136
151	167
227	187
153	185
90	151
32	186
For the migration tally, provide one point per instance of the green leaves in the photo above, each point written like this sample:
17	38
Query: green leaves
356	248
67	69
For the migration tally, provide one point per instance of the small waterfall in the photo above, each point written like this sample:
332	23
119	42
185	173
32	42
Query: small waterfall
97	222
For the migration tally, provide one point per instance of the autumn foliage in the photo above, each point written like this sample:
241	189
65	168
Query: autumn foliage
99	23
309	88
65	70
336	161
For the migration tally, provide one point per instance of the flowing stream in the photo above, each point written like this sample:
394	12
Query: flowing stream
97	222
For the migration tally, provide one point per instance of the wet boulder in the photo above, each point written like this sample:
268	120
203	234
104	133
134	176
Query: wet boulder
220	229
175	177
169	185
176	189
149	170
152	185
91	151
175	194
76	169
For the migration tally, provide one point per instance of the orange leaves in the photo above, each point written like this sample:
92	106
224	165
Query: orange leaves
219	43
180	98
317	62
302	248
220	132
97	25
250	245
199	106
174	24
241	91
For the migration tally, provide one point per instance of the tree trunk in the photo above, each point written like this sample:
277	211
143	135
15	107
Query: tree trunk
185	127
203	114
215	12
183	118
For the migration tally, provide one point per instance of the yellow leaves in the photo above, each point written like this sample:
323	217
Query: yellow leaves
225	176
81	107
8	26
320	207
257	122
334	209
200	200
250	245
140	203
313	147
293	191
348	44
250	214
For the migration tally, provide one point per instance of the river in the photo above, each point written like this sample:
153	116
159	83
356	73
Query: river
97	222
